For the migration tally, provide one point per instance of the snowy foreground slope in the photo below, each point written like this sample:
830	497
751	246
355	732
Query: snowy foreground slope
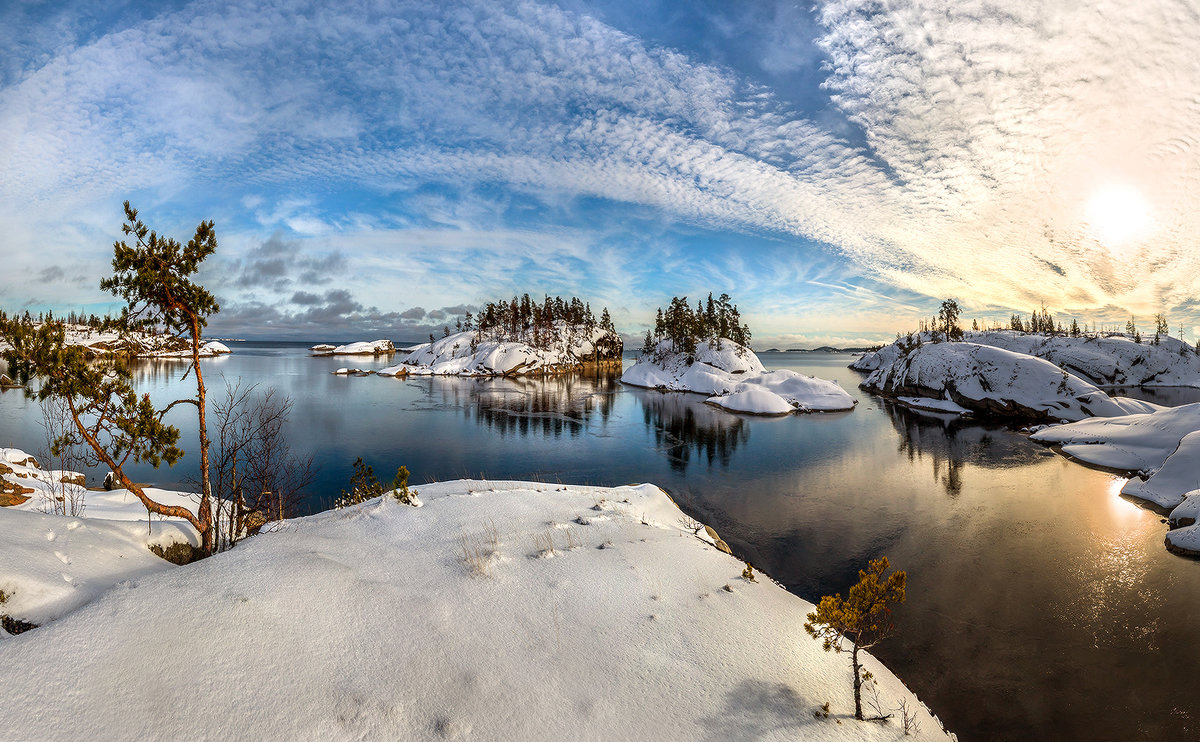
1104	361
733	377
994	382
1163	446
464	354
498	611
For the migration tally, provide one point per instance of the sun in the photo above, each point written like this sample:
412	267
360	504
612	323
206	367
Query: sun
1118	215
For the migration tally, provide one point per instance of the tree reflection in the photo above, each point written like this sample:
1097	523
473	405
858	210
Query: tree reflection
550	406
684	425
950	442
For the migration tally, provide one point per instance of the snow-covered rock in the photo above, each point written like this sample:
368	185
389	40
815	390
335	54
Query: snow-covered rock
1187	512
943	406
463	354
1104	361
995	382
732	376
500	610
1164	445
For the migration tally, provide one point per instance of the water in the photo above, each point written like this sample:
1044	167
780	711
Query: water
1042	605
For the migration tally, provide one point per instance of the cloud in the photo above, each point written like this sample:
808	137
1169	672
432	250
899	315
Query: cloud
978	132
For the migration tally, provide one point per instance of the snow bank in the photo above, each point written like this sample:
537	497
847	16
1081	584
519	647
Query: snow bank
51	564
733	378
497	611
461	354
995	382
1164	445
1104	361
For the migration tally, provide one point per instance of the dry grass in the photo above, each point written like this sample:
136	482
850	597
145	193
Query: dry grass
543	543
480	549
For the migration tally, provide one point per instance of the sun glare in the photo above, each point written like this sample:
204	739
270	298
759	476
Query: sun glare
1118	215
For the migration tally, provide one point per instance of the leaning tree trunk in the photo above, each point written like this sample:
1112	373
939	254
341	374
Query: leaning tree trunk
206	510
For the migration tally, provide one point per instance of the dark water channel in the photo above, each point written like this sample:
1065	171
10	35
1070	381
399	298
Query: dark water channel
1042	605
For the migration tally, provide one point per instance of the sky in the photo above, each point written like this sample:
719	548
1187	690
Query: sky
377	168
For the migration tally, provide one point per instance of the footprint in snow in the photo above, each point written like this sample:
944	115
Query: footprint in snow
51	535
62	557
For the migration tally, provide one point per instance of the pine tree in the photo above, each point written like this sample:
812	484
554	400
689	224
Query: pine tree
154	276
864	618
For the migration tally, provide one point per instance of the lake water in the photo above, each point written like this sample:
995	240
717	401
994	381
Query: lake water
1042	605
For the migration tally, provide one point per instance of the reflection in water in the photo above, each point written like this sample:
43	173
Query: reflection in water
1168	396
549	406
683	424
951	441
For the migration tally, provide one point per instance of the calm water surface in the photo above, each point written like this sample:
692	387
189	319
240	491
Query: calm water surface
1042	605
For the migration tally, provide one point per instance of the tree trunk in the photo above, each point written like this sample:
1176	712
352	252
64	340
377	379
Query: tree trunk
857	682
206	509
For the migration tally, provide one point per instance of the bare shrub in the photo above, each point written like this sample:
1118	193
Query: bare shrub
64	495
909	719
256	476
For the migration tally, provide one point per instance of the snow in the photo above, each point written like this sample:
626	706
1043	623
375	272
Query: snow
933	405
755	401
140	345
732	377
462	354
1187	512
383	621
993	381
53	564
1164	444
362	348
1104	361
1140	442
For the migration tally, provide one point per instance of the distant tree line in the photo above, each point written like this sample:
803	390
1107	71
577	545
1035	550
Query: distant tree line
944	326
685	327
94	322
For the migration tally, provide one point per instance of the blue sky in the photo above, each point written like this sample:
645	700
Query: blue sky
375	168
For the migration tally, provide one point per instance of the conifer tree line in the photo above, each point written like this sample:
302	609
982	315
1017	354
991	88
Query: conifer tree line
92	321
710	320
944	326
524	320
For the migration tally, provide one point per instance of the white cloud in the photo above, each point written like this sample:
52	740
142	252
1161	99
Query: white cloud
987	128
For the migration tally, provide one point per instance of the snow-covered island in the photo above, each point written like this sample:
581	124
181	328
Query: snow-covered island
519	338
733	377
362	348
99	342
1159	450
498	610
706	351
1103	360
988	381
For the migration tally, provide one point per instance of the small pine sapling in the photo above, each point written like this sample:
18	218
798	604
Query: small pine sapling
748	573
400	489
